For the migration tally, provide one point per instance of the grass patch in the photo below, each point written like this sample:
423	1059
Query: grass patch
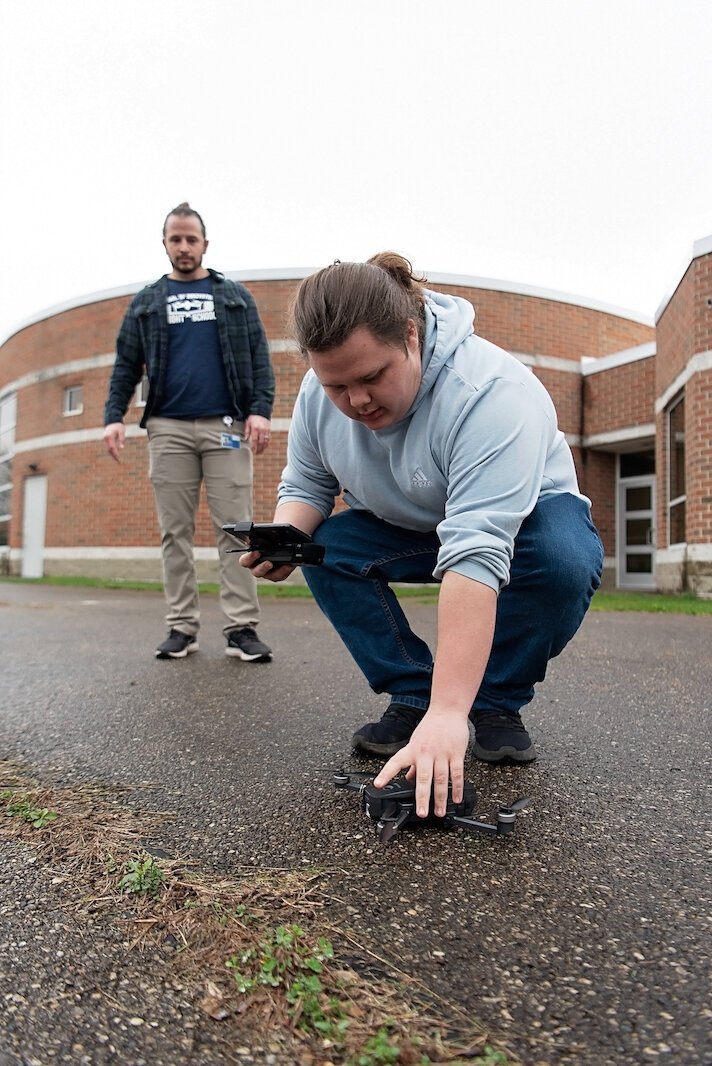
257	950
651	603
647	602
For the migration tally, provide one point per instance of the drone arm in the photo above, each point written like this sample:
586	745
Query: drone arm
503	825
343	780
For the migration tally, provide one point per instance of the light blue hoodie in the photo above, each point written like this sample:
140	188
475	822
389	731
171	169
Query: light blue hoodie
471	458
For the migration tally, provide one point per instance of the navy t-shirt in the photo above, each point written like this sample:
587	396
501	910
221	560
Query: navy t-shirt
196	383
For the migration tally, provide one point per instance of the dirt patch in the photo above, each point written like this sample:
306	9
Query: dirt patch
258	952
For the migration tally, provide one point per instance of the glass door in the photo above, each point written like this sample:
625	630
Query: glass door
636	532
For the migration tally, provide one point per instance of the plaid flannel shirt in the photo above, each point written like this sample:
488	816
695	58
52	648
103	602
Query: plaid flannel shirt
142	344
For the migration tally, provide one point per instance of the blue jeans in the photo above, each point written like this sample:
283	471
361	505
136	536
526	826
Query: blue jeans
556	569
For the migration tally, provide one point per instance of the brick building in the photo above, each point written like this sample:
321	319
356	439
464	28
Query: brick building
634	398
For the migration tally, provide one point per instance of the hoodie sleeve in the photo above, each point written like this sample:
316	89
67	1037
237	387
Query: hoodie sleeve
495	454
305	478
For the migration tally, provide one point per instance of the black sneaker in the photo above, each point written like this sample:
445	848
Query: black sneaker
245	644
390	734
176	645
501	738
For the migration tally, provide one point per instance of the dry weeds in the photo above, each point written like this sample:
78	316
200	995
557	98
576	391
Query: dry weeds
266	933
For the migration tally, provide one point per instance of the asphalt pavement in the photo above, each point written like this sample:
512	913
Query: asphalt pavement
584	938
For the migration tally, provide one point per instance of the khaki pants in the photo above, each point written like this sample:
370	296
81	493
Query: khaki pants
182	454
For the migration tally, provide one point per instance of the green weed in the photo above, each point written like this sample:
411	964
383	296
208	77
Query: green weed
490	1057
287	959
37	817
142	877
379	1051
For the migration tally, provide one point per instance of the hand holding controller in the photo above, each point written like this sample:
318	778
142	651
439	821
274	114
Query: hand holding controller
278	543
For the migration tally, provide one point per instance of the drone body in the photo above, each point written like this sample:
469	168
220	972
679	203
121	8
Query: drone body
392	808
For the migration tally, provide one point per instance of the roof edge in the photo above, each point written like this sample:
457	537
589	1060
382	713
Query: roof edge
297	273
701	247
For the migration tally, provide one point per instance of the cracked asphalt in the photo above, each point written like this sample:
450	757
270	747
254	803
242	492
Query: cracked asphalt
583	939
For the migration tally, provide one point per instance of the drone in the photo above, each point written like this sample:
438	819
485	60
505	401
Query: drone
392	807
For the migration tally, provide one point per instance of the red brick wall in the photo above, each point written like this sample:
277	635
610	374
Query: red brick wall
75	334
597	478
702	326
620	397
537	326
95	502
698	446
675	335
685	330
565	389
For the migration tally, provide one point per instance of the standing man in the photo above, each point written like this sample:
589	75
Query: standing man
199	338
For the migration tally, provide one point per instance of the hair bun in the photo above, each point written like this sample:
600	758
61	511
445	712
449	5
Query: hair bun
400	269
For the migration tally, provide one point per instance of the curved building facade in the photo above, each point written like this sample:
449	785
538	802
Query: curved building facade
633	397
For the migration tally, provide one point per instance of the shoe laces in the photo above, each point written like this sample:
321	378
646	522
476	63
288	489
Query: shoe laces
499	721
400	713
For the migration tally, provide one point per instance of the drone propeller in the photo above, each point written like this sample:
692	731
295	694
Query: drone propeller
518	805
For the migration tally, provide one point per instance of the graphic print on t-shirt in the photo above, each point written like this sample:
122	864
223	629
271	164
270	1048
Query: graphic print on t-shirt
191	307
195	383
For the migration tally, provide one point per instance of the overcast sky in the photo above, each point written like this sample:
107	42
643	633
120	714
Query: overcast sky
564	144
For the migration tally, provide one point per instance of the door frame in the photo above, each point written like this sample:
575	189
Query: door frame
644	582
34	520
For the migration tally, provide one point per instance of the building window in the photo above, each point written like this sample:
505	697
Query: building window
676	472
141	394
637	464
73	404
8	419
5	498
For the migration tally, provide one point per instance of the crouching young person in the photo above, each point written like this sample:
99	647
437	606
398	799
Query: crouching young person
448	454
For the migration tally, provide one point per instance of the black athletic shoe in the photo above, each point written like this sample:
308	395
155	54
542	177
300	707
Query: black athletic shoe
176	645
245	644
501	738
390	734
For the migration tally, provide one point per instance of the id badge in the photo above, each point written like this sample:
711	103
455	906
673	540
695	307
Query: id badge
229	440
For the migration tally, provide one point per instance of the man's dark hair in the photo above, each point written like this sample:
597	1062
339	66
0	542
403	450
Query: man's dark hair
185	210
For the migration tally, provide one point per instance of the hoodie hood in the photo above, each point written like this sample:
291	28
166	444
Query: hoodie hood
449	320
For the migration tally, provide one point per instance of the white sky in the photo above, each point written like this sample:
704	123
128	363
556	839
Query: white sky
565	144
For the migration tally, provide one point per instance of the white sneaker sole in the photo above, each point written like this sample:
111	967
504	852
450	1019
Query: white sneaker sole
238	653
178	654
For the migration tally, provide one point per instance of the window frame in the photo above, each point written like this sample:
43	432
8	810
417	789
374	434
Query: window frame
69	390
8	424
681	498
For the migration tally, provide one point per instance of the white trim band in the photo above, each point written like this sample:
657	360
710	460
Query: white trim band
680	553
697	365
49	373
128	554
87	436
620	436
549	362
615	359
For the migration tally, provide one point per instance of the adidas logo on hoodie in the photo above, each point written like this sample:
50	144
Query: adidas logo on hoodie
419	480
